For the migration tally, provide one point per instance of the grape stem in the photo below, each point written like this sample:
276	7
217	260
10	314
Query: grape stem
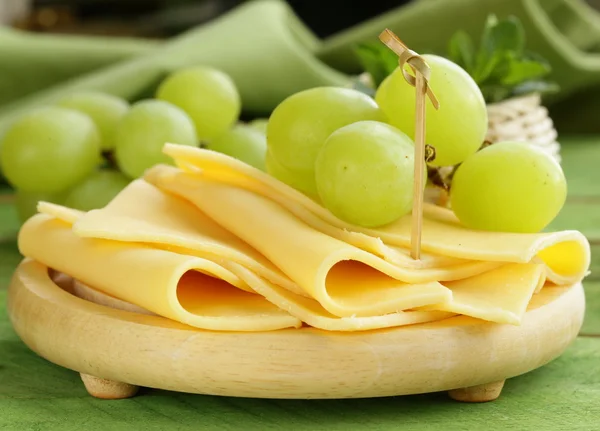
109	158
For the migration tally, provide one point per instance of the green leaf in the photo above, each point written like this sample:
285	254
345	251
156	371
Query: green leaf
499	38
462	50
377	60
507	35
493	93
524	70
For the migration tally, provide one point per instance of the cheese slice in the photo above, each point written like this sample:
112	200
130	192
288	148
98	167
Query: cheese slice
68	215
305	309
143	213
191	290
232	171
501	295
344	279
187	186
310	311
566	254
88	293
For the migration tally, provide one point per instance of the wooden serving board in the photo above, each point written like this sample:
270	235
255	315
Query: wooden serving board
116	351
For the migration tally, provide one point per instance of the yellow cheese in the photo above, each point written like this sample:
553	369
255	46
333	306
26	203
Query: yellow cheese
191	290
501	295
187	186
566	254
341	277
189	294
143	213
310	311
318	263
233	225
68	215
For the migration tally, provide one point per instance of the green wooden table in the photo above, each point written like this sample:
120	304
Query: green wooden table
563	395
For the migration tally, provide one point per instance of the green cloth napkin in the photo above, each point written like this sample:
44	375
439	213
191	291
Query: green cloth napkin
565	32
32	62
266	49
563	395
271	54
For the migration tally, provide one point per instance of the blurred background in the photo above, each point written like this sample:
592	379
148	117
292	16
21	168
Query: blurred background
536	62
163	18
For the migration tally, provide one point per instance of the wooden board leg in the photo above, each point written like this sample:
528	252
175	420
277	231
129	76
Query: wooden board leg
107	389
478	394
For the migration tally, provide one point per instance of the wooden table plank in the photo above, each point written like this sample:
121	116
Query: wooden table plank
591	324
38	395
581	164
580	215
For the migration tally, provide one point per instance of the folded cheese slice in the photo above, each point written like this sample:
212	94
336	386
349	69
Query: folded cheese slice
350	288
194	291
566	254
305	309
143	213
501	295
339	275
310	311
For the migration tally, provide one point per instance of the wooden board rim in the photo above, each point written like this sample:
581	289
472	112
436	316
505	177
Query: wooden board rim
155	352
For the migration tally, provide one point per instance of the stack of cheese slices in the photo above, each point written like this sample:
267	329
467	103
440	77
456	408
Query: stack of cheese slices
218	245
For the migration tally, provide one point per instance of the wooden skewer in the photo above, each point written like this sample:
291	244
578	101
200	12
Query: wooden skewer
417	210
420	82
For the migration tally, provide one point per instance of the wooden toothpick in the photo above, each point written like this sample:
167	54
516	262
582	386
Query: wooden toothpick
420	81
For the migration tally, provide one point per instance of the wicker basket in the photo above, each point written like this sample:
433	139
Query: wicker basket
521	119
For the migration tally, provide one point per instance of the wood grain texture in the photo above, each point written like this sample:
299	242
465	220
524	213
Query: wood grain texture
583	216
591	323
479	393
155	352
580	162
107	389
563	395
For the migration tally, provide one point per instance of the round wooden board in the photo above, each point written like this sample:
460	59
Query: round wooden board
108	345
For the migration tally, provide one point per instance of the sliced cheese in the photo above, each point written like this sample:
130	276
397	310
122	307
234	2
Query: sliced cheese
194	291
501	295
566	254
344	279
93	295
143	213
311	312
187	186
68	215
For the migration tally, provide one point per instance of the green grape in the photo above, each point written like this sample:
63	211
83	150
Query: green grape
365	173
207	95
508	187
143	132
458	128
104	109
49	150
282	174
244	143
299	126
96	191
260	124
26	202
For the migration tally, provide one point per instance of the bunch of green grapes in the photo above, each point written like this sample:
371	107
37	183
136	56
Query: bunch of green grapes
508	186
85	149
350	152
355	154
